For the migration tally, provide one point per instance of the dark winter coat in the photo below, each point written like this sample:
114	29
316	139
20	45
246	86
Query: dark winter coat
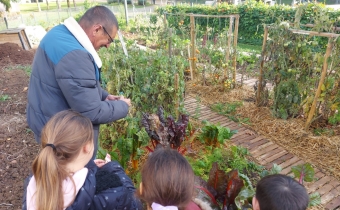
119	197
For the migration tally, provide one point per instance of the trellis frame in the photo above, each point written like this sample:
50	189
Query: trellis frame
233	20
329	49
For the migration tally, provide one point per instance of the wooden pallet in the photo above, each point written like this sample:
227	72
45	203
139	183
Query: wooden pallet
267	153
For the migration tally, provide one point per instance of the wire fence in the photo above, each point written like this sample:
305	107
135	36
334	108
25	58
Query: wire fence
51	18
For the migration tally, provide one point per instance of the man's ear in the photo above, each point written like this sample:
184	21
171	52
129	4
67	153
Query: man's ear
95	29
256	205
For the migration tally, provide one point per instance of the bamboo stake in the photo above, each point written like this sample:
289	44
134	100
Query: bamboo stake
176	97
235	50
231	21
322	79
259	86
164	20
192	40
170	42
191	74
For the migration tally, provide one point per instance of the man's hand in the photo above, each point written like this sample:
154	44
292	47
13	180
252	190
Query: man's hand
116	98
112	98
126	100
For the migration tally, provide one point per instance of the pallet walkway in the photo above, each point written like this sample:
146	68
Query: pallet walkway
267	153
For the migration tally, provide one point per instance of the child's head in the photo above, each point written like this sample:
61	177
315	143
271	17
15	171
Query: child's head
280	192
67	145
167	179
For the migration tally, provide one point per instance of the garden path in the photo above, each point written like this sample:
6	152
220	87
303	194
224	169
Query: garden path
267	153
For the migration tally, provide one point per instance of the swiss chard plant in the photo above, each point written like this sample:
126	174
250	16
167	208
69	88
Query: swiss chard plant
214	135
165	131
222	190
305	172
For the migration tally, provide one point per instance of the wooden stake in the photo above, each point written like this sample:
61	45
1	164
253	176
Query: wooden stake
190	64
170	42
230	31
164	20
322	79
259	86
192	41
176	81
235	50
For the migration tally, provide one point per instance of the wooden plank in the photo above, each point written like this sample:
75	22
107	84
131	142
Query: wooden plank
189	100
245	131
209	117
334	183
258	145
245	141
289	162
279	160
316	185
271	153
251	141
236	136
288	169
235	127
333	203
264	150
218	119
194	107
246	138
329	196
317	175
325	189
275	156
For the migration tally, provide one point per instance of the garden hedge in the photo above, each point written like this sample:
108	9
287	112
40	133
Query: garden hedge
253	15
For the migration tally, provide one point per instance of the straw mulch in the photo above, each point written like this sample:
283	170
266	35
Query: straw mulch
321	151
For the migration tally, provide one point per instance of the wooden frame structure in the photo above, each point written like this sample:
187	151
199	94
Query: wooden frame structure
331	37
234	21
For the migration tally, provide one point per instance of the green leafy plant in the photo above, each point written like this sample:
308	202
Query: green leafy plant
4	97
276	169
214	135
305	172
287	99
229	110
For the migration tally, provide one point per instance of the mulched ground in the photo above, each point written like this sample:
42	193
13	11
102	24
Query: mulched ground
17	145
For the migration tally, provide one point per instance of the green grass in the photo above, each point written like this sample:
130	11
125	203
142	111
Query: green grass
249	48
26	68
33	7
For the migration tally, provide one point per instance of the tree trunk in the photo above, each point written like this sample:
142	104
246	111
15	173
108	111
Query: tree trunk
74	3
68	3
58	4
38	4
48	6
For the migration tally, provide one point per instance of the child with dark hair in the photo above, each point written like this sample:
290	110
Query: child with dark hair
66	177
280	192
167	181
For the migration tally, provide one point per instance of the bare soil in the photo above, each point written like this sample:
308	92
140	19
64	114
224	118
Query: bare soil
17	145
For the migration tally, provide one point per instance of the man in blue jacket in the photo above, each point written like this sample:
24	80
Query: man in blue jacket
66	73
